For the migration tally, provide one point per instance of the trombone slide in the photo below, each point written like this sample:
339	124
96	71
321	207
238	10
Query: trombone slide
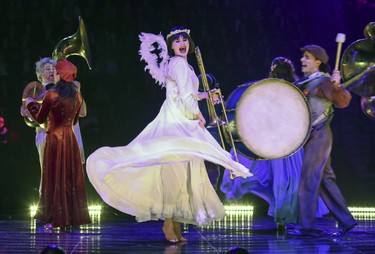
213	118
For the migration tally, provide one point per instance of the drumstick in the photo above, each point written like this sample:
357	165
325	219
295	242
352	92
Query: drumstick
340	39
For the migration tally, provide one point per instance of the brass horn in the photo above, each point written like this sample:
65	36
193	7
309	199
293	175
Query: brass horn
214	120
368	106
358	68
369	31
36	91
76	44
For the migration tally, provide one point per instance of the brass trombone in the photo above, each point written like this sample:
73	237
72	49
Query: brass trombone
214	120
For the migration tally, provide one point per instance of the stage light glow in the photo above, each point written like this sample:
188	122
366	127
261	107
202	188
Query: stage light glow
243	208
33	209
363	213
94	210
362	209
239	208
237	216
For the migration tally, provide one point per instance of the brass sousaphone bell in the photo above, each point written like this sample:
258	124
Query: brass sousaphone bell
76	44
358	69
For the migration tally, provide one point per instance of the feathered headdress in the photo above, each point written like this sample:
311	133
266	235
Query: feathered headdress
154	52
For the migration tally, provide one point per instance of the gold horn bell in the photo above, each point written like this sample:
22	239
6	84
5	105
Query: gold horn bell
36	91
358	69
368	106
76	44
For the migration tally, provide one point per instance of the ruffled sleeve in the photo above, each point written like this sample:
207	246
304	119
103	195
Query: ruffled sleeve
180	72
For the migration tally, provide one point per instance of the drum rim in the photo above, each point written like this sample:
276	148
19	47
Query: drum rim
244	85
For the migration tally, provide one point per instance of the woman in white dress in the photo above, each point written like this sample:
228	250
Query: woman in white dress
161	174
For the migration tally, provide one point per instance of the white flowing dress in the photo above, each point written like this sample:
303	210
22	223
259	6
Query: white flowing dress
161	173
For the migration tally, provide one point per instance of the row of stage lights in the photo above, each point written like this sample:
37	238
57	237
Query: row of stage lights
95	210
238	216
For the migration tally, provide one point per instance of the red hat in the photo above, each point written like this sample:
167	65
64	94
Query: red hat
66	70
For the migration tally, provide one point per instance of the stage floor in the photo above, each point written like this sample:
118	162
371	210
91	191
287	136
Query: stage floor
116	233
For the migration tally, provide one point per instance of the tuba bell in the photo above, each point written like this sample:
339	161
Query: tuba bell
358	69
76	44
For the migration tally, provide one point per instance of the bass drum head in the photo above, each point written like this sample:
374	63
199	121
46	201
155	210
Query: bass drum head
273	118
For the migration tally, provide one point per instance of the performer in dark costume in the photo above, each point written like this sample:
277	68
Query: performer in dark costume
317	176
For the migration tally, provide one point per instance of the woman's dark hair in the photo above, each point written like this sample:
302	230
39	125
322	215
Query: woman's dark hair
66	90
173	37
283	68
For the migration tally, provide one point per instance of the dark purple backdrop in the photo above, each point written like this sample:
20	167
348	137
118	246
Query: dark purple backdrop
238	39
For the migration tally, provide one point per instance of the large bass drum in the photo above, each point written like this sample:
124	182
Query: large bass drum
268	119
